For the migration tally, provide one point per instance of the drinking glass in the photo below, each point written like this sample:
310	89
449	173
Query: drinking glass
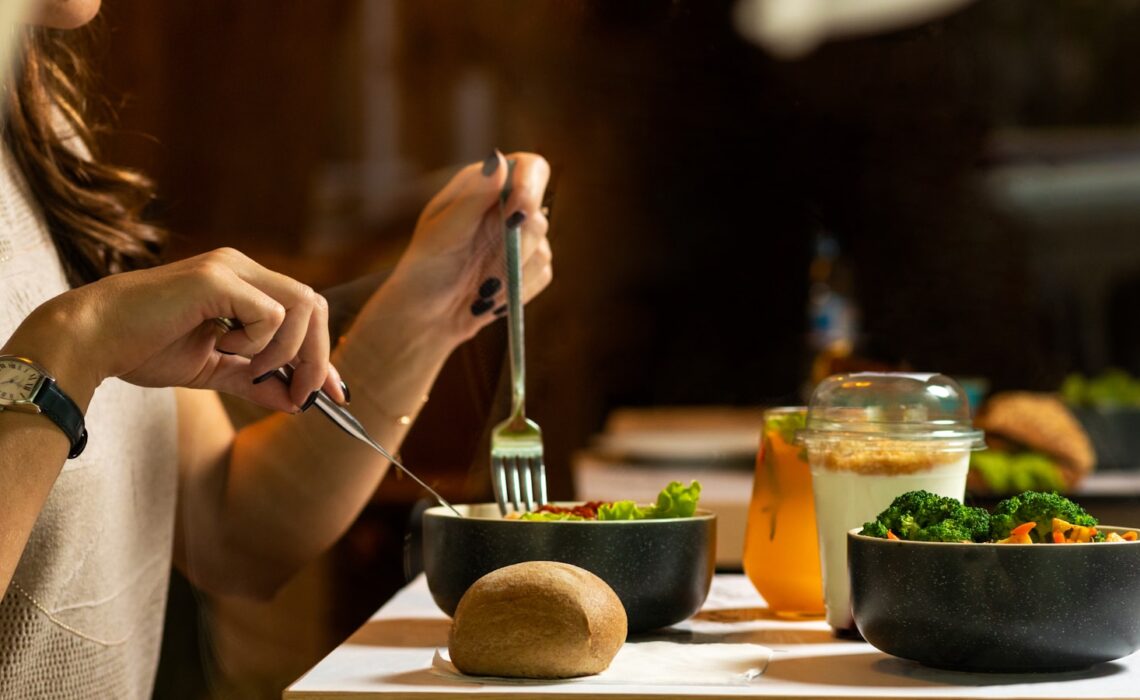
781	548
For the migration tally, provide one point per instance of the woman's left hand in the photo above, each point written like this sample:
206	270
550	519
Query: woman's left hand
454	268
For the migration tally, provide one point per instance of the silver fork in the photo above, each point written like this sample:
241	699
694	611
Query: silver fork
518	473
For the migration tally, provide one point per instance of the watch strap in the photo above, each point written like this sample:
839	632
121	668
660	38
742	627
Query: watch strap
59	407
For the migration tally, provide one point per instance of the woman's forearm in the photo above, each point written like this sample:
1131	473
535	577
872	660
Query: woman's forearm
294	484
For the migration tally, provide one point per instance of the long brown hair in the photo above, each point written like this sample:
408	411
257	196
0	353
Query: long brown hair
92	210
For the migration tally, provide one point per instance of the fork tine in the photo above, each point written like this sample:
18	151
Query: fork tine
499	483
540	477
528	481
513	475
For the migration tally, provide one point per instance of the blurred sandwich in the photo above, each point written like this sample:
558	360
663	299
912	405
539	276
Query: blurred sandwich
1034	443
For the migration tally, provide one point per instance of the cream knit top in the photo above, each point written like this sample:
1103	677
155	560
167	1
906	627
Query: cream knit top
83	615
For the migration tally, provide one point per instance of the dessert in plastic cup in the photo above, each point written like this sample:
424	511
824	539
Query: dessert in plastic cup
870	437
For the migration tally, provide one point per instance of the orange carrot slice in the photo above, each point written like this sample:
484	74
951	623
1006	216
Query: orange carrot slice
1023	529
891	535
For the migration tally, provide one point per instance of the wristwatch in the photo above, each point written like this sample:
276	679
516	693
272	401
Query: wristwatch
26	387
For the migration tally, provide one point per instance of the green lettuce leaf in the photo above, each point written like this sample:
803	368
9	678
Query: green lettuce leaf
677	501
674	501
623	510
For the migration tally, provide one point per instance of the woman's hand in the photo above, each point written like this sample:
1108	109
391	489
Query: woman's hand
454	266
158	327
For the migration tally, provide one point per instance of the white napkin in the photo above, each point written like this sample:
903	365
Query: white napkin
652	663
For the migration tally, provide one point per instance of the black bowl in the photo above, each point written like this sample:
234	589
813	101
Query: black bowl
997	607
660	569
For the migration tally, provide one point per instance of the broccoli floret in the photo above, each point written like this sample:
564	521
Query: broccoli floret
874	529
1038	507
928	517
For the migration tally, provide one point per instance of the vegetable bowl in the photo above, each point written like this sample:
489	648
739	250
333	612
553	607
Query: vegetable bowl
659	565
997	607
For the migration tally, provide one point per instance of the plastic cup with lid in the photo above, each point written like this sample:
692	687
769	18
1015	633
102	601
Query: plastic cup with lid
870	437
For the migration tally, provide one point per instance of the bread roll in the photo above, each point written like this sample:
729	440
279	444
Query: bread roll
1040	422
537	619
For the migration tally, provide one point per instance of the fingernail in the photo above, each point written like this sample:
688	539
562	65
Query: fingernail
481	306
490	287
344	390
516	219
262	378
309	401
225	352
491	163
501	310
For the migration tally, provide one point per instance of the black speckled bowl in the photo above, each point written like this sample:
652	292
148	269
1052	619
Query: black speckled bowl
997	607
660	569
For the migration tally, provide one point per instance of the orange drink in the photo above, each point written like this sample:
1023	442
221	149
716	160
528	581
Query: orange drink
781	548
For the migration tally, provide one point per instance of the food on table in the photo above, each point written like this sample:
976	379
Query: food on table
1041	509
537	619
675	501
928	517
1035	444
1031	517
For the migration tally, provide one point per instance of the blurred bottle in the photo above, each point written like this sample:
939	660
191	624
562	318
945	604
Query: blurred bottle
833	317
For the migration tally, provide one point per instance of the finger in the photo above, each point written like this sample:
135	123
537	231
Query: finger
533	233
336	387
260	316
478	184
256	298
298	334
528	184
311	364
491	293
538	271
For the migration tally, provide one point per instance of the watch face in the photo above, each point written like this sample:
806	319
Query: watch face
18	381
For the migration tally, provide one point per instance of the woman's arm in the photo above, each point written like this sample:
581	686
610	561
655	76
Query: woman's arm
258	505
155	328
33	450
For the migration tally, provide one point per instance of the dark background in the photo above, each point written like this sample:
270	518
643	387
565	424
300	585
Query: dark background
981	174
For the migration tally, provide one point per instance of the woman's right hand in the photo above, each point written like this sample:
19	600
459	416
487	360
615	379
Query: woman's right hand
158	327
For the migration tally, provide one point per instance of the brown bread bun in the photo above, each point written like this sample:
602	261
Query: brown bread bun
1042	423
537	619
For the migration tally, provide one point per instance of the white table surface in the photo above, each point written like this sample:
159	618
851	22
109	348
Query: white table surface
390	656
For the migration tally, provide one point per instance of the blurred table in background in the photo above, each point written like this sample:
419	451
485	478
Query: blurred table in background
642	450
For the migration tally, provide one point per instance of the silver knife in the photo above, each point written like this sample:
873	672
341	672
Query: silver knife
348	423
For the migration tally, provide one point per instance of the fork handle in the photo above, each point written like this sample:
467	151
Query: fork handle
515	327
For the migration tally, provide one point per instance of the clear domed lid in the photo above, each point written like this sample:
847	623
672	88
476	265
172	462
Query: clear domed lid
893	406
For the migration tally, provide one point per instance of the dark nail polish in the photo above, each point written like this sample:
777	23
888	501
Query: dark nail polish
225	352
491	163
481	306
490	287
501	310
265	376
515	220
346	392
309	401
